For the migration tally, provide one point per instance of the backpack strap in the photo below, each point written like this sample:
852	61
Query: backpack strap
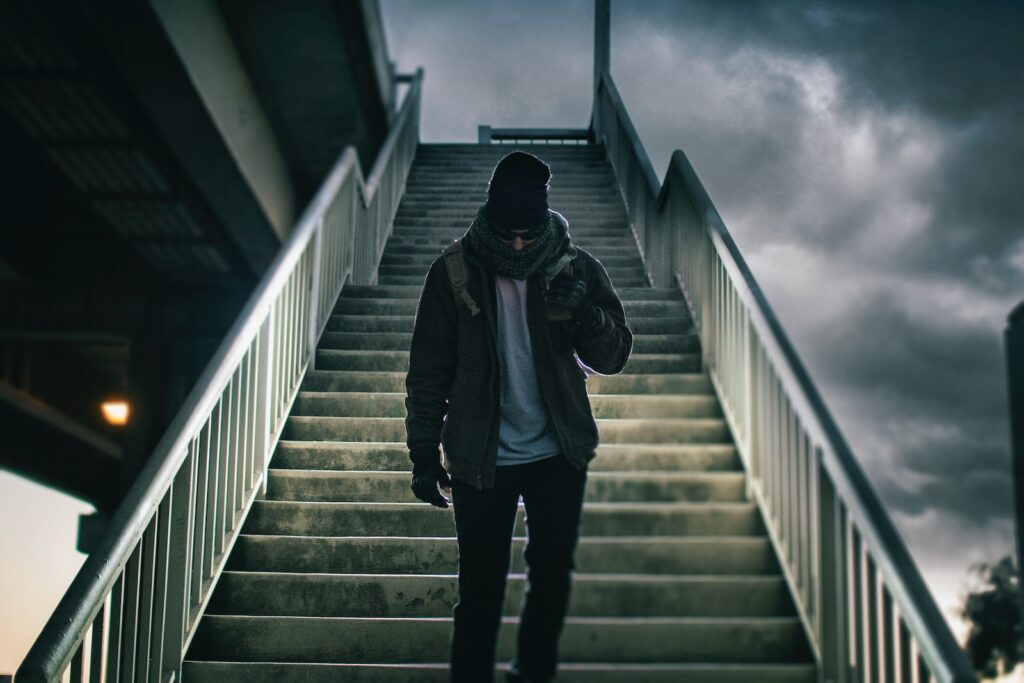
456	263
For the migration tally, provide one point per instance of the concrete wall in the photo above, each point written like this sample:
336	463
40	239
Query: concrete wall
199	35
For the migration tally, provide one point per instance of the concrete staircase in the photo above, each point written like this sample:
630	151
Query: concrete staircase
341	574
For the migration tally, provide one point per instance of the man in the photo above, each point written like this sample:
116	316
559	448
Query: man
494	379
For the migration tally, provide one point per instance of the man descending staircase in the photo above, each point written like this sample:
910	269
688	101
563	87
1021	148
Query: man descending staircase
341	574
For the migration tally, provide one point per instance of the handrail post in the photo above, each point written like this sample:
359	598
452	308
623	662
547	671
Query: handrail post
314	294
1015	377
602	53
831	575
265	411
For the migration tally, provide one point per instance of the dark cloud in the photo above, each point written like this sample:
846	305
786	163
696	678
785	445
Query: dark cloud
957	469
923	365
953	67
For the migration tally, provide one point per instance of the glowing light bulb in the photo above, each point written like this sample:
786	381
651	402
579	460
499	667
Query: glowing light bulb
115	412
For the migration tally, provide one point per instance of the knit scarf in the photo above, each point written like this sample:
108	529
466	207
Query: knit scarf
549	252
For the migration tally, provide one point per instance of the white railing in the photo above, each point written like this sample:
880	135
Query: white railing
132	610
866	611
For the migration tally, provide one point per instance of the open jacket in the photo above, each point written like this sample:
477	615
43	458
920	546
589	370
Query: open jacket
452	392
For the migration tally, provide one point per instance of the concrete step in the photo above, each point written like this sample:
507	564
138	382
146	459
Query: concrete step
392	381
436	177
621	281
610	406
557	197
399	341
424	206
558	165
619	246
478	181
338	359
421	519
616	236
413	292
393	456
399	244
470	151
627	275
628	430
579	226
246	672
393	306
584	639
618	258
680	555
602	487
432	595
639	325
451	202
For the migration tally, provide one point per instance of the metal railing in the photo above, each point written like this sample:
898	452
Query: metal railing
867	613
562	136
130	613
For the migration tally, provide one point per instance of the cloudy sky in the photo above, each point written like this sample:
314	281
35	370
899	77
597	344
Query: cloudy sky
866	159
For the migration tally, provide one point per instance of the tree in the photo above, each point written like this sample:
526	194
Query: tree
993	611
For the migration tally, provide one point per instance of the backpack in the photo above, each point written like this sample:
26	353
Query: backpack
456	263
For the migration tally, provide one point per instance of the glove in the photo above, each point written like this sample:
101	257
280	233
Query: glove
569	292
426	476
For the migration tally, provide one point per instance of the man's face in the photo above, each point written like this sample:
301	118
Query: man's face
517	237
518	242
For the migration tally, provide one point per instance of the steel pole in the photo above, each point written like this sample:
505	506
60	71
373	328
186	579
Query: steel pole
1015	381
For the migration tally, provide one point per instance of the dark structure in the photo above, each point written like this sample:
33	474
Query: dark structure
154	156
1015	380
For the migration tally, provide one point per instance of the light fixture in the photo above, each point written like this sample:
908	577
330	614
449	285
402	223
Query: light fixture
115	412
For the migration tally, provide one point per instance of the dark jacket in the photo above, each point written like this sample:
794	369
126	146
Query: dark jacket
452	393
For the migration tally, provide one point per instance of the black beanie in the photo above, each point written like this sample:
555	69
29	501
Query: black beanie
517	196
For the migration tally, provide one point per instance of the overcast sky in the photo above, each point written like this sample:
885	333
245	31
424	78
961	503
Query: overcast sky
867	161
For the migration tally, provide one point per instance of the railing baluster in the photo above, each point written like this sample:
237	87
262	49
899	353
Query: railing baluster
857	595
223	485
182	538
77	663
808	527
245	427
888	638
872	618
114	632
131	615
905	650
160	585
147	589
208	537
96	646
237	442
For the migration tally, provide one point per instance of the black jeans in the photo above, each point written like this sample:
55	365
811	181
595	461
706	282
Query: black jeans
552	491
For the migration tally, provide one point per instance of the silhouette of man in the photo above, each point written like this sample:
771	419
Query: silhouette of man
498	386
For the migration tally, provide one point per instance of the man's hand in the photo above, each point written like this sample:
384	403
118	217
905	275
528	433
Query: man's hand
569	292
425	480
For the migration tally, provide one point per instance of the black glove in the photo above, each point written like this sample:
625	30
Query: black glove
569	292
426	476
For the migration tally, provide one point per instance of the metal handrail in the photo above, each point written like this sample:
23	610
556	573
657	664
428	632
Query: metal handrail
862	602
488	134
133	608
